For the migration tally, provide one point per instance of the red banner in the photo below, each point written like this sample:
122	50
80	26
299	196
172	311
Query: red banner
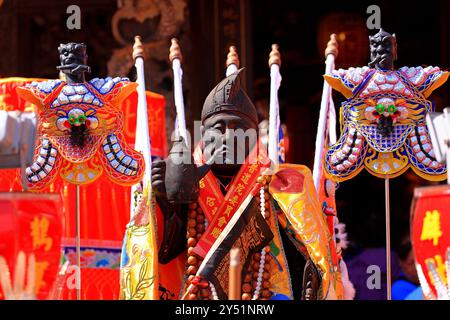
156	123
32	223
431	228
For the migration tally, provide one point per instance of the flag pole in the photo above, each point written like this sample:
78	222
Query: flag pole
142	140
234	287
326	135
142	216
274	116
388	238
330	54
175	58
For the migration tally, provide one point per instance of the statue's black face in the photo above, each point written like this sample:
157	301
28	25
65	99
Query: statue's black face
227	140
73	59
72	54
383	51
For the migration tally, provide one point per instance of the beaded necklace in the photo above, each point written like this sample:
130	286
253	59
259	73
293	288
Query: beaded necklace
256	282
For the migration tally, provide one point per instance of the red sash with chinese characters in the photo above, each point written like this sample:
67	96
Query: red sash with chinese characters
219	209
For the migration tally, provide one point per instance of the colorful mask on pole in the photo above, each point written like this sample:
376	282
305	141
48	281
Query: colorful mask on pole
383	119
80	126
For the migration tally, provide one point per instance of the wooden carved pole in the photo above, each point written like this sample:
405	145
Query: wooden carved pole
388	238
77	241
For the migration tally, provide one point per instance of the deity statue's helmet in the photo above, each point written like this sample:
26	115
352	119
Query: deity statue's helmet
73	58
383	50
229	125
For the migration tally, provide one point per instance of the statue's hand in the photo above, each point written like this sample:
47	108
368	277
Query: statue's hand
175	215
217	155
158	178
181	174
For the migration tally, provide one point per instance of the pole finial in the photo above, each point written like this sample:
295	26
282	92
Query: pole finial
332	46
274	56
175	51
232	57
138	48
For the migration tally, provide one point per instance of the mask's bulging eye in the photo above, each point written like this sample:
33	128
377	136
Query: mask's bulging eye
380	108
72	119
77	120
392	109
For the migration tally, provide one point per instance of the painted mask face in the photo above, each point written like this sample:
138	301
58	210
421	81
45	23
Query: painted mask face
383	50
383	122
80	132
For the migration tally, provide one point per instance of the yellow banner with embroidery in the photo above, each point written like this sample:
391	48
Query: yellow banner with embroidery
139	265
293	188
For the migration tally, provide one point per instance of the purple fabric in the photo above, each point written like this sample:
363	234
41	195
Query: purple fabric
359	274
